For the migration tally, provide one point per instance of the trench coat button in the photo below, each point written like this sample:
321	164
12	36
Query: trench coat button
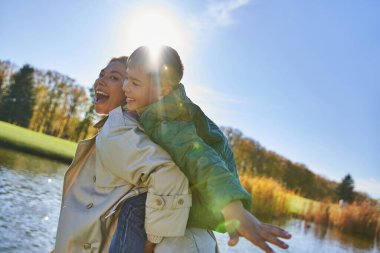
158	202
180	202
94	179
89	205
87	246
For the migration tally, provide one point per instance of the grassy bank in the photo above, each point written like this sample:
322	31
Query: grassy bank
26	140
271	201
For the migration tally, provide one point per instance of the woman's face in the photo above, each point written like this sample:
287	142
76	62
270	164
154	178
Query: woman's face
108	88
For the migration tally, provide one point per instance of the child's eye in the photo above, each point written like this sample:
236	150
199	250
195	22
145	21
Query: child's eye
114	78
135	84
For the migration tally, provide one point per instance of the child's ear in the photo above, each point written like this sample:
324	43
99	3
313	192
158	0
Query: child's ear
165	90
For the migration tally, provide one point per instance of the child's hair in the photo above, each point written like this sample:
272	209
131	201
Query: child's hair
122	59
164	63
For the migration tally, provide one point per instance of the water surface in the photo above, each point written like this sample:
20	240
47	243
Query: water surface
30	197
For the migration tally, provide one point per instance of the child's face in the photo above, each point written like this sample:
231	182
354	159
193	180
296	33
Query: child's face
139	89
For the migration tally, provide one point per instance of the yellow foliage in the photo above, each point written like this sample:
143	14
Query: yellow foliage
272	200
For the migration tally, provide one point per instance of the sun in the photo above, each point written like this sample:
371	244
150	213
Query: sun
154	26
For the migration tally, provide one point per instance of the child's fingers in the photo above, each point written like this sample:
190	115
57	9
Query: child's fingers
259	242
232	227
234	238
269	237
279	232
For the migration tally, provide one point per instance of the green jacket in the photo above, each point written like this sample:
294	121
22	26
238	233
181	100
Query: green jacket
201	151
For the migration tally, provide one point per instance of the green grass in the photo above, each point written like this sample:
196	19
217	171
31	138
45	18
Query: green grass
36	143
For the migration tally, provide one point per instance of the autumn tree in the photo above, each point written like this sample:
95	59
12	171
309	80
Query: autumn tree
252	159
2	80
17	104
6	71
345	189
41	95
83	128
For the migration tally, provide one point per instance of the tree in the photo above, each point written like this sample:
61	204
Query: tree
6	71
2	81
77	99
17	105
345	189
83	128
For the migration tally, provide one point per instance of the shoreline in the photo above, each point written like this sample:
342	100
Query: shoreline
27	150
28	141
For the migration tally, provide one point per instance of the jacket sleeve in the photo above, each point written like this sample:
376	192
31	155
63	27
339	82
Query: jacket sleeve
130	155
201	164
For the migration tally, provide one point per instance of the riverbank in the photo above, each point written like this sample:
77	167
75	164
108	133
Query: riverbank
22	139
272	201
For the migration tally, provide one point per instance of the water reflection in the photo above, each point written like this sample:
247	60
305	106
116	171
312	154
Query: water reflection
308	237
30	196
30	163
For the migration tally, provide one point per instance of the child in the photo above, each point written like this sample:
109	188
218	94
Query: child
195	143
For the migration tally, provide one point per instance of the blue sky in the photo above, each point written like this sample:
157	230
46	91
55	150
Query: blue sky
301	77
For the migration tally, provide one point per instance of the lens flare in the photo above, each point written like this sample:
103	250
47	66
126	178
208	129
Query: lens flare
154	26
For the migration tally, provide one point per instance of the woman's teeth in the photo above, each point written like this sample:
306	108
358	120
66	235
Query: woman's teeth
101	96
101	93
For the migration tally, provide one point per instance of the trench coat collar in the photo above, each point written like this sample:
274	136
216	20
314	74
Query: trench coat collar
119	116
101	122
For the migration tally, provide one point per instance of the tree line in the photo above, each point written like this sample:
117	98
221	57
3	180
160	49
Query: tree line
252	159
53	103
45	101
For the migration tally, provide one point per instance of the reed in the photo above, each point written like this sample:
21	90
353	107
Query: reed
271	201
357	218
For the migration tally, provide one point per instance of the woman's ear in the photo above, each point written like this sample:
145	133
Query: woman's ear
165	90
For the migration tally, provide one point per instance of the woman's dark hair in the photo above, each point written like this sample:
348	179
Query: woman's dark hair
122	59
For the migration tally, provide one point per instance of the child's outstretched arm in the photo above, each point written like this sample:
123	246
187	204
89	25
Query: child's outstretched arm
223	191
243	223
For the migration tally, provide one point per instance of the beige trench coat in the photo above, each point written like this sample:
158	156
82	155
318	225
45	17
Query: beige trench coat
124	162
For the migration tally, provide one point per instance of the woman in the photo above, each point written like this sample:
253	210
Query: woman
102	176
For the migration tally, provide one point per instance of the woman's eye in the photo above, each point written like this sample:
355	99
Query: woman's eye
114	78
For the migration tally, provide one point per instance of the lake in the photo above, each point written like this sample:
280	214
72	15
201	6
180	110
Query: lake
30	196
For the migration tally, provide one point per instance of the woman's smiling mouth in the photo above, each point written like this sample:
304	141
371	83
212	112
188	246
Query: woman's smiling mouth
101	96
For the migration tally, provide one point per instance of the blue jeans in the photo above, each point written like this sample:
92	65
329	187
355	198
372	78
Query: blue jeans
130	235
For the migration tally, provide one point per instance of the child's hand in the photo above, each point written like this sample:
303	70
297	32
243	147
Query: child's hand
241	222
149	247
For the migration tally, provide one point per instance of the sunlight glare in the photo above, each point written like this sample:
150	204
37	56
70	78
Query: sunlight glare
153	26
